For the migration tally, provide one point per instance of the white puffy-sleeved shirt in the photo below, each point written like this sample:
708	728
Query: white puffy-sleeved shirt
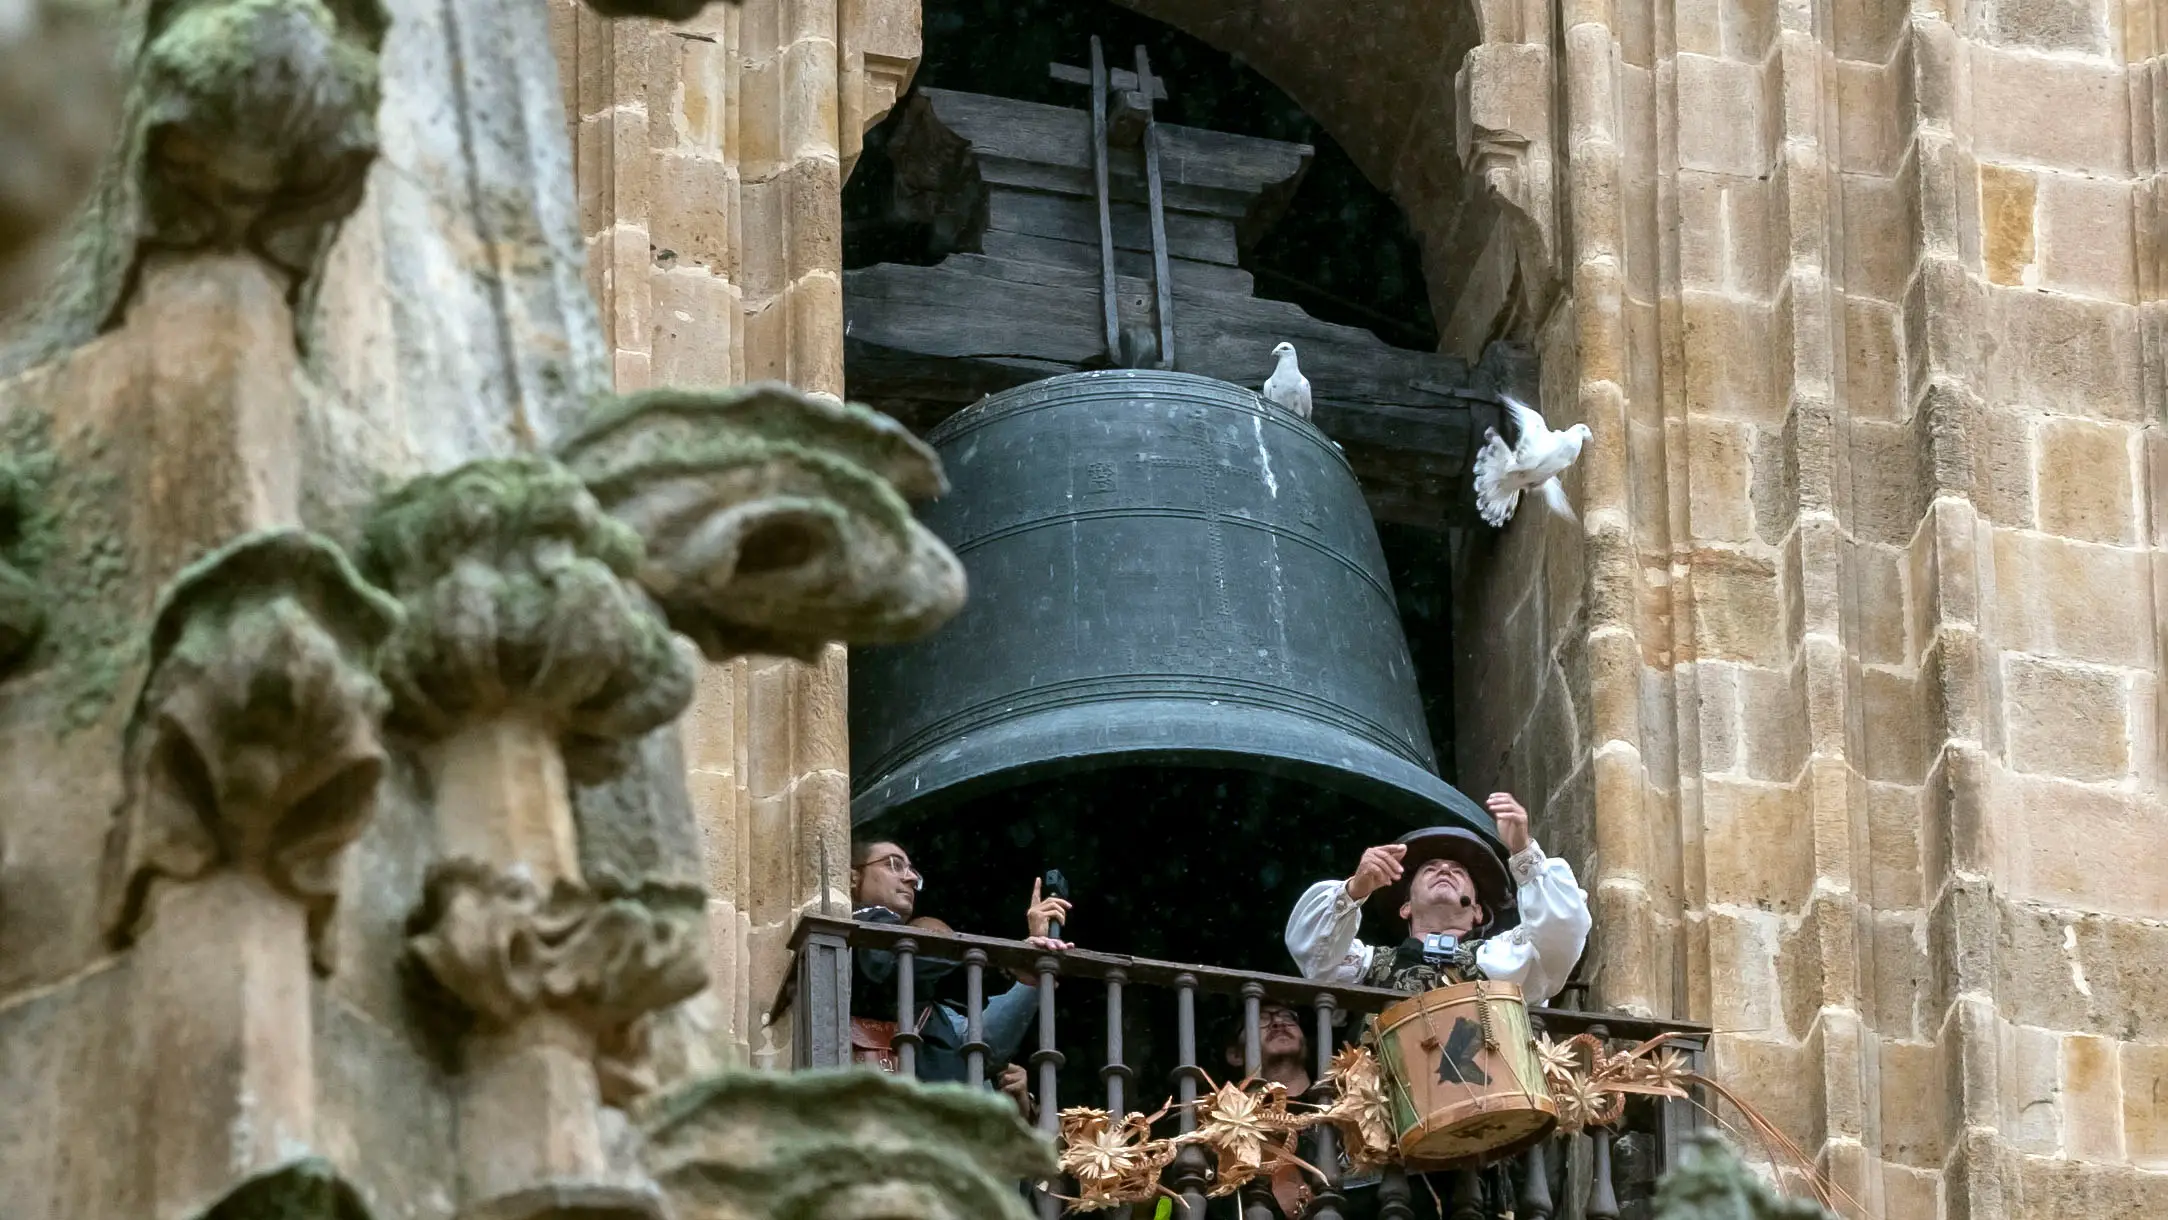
1537	955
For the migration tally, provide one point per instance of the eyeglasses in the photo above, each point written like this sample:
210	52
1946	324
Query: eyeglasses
1279	1016
900	865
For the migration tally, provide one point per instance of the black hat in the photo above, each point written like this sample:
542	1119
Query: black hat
1493	886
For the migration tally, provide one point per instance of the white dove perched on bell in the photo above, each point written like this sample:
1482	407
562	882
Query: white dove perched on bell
1287	388
1533	464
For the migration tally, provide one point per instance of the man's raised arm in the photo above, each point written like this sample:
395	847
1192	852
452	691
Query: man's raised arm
1321	930
1539	954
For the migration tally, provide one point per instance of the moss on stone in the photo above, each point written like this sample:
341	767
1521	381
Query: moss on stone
70	540
1710	1183
723	422
494	507
783	1145
198	63
519	593
307	567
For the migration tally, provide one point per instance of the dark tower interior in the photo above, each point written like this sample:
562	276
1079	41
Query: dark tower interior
1173	862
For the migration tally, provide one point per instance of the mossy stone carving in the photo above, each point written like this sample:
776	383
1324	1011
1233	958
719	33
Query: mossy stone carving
775	521
598	956
1710	1183
257	121
516	585
853	1144
254	743
249	125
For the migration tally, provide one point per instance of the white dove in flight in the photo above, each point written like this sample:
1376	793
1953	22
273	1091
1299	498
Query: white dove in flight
1287	387
1502	474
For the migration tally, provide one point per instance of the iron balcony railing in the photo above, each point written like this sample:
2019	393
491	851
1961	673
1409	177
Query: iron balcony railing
1601	1174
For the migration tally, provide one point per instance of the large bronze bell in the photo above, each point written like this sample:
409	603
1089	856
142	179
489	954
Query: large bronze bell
1164	570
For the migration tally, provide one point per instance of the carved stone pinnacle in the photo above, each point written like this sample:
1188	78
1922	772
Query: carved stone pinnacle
254	741
256	122
519	603
841	1143
1710	1183
775	520
508	950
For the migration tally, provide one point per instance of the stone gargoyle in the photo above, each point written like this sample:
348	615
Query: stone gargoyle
1710	1183
841	1145
254	743
775	520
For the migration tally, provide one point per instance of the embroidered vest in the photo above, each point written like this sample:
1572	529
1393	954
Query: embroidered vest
1407	969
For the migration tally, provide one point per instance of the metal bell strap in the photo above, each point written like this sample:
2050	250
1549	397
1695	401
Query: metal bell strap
1122	112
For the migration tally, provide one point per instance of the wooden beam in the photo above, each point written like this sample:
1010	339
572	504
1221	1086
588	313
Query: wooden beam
1121	79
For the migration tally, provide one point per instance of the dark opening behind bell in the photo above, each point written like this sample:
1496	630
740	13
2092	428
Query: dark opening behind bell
1164	570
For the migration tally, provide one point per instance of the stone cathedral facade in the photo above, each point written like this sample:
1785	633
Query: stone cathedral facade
1843	695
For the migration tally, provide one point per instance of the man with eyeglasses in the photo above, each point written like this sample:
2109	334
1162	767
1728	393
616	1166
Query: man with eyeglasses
885	889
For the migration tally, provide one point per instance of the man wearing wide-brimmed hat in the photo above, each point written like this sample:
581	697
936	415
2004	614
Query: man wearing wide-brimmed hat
1451	889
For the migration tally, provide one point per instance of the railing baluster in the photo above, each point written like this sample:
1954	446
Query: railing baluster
1602	1199
1116	1073
1328	1203
1536	1187
1048	1061
975	1017
1257	1192
907	1008
1253	1055
1394	1201
1468	1195
1188	1177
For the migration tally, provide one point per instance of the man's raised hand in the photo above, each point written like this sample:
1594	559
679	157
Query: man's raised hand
1380	867
1512	821
1039	917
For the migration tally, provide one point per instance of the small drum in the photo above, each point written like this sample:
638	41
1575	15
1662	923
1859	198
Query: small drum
1460	1067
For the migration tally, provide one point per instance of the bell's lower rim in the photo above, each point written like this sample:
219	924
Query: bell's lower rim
1048	744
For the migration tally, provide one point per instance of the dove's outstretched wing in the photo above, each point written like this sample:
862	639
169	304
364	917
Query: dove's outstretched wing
1528	424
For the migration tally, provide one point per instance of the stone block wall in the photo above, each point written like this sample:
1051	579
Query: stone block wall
1865	317
710	157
